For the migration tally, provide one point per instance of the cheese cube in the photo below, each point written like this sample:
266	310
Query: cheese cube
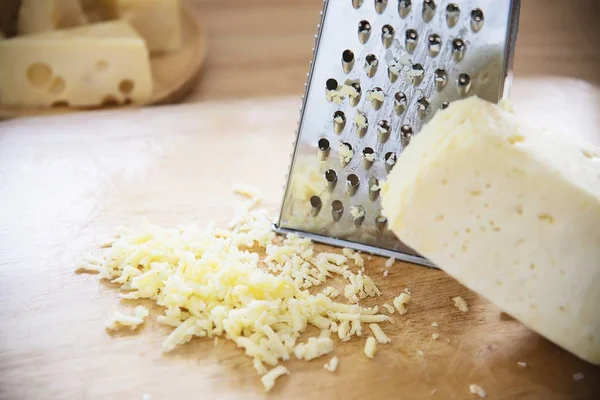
157	21
511	211
99	64
36	16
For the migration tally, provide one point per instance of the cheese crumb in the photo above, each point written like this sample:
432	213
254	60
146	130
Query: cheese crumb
522	364
435	336
358	260
478	390
374	188
346	153
348	252
360	120
120	320
460	303
268	379
332	365
434	324
400	303
390	262
420	353
578	376
381	337
371	157
386	273
338	119
357	212
375	95
370	347
314	348
389	308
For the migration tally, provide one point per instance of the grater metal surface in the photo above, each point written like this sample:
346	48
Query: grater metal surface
380	70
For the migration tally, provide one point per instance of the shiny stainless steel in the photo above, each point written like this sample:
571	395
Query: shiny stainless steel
436	52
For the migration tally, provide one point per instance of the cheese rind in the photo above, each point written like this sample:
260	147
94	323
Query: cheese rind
511	211
88	66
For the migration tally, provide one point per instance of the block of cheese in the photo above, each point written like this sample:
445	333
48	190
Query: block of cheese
509	210
158	21
98	64
36	16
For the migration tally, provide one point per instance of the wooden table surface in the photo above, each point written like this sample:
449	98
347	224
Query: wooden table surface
67	181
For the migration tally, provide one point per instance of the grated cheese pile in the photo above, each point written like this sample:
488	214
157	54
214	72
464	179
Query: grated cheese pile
212	282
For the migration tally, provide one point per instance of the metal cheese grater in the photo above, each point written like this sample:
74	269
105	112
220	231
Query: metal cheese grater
381	69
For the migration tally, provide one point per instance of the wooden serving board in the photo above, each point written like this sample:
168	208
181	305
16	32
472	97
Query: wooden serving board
67	181
173	74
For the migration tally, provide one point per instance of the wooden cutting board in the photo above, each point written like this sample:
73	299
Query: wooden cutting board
67	181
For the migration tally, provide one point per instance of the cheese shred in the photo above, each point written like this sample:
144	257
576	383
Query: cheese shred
243	284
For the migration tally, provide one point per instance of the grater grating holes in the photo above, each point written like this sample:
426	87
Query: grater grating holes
380	6
364	31
376	96
330	179
429	7
357	3
347	61
434	44
323	149
315	205
346	153
383	131
404	7
352	184
452	14
400	103
410	40
423	104
458	49
374	189
337	209
406	133
339	121
390	160
371	64
441	78
476	19
387	35
368	157
464	84
358	215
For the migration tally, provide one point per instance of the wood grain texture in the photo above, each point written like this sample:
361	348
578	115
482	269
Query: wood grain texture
262	47
67	181
173	73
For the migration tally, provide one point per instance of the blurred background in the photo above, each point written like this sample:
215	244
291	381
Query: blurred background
260	48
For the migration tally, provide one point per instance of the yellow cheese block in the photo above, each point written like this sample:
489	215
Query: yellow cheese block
510	210
158	21
105	63
36	16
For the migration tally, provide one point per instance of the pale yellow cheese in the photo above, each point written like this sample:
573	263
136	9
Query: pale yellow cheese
157	21
36	16
510	210
99	64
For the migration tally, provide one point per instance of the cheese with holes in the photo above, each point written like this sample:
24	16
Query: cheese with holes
510	210
157	21
36	16
98	64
